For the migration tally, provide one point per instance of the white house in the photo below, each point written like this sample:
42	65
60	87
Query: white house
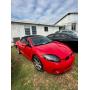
20	29
69	22
23	28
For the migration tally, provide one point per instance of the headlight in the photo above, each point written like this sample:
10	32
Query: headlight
52	58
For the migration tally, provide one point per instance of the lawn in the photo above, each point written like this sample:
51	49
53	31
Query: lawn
26	77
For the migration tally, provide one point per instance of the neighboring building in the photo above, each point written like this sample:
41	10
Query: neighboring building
23	28
69	22
20	29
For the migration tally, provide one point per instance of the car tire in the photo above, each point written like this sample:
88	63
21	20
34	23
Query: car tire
37	63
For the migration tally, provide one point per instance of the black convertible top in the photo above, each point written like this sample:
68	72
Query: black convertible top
31	36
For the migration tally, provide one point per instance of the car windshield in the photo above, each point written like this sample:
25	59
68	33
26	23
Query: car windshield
40	40
70	33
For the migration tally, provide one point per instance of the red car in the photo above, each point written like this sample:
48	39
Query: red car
46	55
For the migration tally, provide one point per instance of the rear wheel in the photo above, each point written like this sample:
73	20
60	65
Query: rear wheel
37	63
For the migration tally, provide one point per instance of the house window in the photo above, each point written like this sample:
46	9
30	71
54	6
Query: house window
73	26
61	27
27	31
34	30
46	29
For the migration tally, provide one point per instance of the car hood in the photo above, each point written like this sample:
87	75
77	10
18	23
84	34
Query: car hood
54	48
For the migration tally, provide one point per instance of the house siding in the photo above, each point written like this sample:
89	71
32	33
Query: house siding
68	20
18	30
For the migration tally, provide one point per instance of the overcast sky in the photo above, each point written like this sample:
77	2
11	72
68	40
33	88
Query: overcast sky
42	11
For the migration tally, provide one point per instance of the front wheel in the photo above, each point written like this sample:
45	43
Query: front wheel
37	63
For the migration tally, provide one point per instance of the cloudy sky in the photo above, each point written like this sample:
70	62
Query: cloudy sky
42	11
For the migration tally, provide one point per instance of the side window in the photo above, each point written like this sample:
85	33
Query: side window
28	42
64	36
60	36
57	35
50	36
23	40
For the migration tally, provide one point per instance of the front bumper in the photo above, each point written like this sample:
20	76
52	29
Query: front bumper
59	67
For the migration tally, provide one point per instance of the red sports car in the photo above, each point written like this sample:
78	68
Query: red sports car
46	55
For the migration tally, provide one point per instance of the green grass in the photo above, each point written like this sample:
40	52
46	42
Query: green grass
26	77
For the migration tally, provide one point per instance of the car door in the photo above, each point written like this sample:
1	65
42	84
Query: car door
28	50
22	45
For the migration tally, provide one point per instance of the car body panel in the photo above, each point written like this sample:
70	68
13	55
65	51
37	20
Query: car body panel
70	41
54	48
61	67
